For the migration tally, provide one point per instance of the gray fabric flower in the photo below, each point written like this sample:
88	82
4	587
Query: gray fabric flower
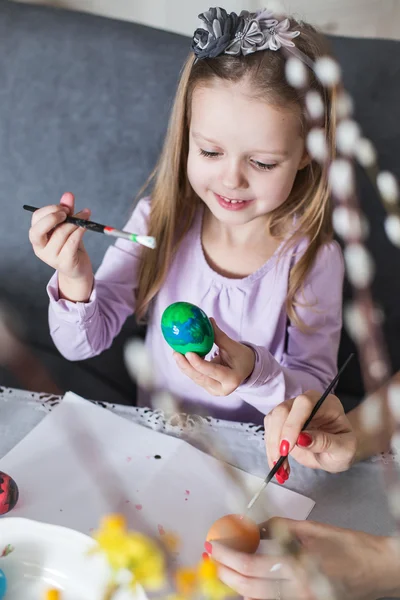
248	38
266	18
212	38
223	33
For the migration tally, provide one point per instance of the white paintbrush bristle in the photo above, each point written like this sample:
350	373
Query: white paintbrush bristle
296	72
347	136
328	71
388	187
348	224
360	266
365	153
392	228
344	105
317	145
394	400
146	240
356	323
341	178
315	105
138	363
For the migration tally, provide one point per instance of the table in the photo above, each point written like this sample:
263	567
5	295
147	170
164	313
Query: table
355	499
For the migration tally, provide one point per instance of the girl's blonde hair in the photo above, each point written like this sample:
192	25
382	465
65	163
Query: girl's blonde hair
174	203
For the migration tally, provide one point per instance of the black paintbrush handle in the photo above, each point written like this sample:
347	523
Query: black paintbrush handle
74	220
328	390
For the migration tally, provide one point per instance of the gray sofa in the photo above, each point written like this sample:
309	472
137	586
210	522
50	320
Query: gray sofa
84	103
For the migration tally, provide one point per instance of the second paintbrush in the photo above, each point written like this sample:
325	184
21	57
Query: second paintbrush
144	240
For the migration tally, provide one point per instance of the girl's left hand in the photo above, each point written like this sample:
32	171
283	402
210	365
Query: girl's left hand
359	565
225	372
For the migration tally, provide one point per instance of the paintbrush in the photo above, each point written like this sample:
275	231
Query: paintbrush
144	240
282	459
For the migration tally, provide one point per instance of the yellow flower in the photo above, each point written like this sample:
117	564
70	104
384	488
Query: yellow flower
131	551
210	586
112	540
207	569
186	581
201	581
145	561
53	594
216	590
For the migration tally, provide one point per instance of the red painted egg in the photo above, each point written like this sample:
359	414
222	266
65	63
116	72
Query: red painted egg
8	493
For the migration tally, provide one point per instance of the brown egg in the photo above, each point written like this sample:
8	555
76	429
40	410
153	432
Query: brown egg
236	532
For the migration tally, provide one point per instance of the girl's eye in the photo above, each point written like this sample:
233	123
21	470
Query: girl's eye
263	166
209	154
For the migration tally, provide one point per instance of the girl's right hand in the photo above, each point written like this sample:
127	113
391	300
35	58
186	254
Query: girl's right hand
329	443
60	244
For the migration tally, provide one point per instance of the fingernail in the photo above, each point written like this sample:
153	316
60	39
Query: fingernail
282	473
205	556
208	547
304	440
275	568
284	448
280	479
85	211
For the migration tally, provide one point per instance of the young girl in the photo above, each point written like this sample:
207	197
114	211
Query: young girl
242	219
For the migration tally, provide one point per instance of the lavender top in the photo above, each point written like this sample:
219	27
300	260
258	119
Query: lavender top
251	310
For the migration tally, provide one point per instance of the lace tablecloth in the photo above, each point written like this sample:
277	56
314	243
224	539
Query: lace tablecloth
355	499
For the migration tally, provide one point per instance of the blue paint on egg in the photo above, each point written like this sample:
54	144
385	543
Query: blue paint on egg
3	585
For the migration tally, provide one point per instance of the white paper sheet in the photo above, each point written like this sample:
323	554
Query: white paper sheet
82	462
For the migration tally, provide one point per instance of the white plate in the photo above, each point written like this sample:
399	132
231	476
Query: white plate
48	556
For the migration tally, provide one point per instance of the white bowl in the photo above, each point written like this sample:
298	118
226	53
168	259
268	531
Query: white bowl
48	556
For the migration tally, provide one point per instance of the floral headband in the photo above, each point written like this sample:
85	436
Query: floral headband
223	33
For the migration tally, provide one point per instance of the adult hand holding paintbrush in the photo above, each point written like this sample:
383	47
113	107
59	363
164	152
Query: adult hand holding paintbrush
289	431
329	442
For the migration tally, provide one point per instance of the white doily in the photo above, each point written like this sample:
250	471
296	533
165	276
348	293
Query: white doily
240	444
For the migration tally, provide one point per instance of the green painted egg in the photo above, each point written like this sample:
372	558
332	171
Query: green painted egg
186	328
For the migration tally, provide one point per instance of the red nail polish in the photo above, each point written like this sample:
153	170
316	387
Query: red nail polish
205	556
282	473
284	448
280	479
304	440
208	547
